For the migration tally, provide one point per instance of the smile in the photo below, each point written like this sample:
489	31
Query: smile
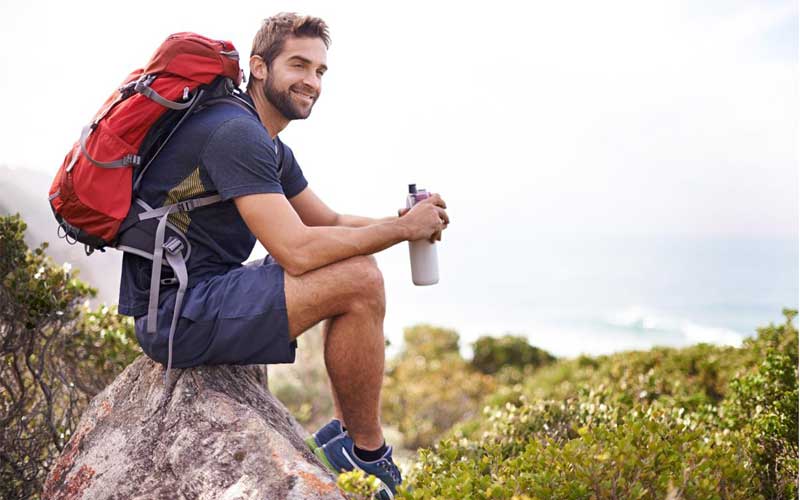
306	97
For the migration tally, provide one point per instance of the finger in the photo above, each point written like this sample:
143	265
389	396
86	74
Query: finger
443	216
437	200
402	211
437	236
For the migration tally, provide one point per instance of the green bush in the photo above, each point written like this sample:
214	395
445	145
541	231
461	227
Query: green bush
493	353
303	385
55	355
358	485
429	387
429	341
574	450
701	422
691	377
764	405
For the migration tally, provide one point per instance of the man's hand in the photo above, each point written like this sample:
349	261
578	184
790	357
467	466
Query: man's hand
427	219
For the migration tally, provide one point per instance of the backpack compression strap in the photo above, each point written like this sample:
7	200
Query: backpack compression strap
176	262
122	162
143	87
178	265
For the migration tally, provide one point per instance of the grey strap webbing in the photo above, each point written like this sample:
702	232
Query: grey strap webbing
158	249
178	264
143	87
125	161
182	206
155	275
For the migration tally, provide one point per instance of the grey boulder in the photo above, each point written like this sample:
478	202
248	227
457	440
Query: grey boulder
215	433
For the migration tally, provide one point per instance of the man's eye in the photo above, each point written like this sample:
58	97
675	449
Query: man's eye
298	65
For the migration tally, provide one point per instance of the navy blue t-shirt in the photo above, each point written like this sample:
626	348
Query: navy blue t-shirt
221	149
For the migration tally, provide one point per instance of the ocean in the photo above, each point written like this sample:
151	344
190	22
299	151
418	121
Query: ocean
595	295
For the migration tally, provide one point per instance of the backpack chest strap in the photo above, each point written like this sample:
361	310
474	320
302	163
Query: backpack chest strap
181	206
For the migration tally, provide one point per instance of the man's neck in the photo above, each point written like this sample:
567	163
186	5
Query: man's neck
271	118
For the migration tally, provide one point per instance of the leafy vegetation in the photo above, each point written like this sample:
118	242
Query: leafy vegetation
491	354
303	385
429	387
700	422
55	355
358	485
513	422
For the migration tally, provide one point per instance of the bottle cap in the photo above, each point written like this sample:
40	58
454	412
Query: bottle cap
412	188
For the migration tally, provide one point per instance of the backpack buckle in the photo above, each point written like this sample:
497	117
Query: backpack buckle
132	159
186	205
173	245
143	83
128	89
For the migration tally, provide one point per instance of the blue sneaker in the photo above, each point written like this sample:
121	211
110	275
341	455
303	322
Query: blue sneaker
332	429
338	455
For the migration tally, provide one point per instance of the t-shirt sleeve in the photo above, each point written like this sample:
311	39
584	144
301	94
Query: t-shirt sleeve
292	178
240	159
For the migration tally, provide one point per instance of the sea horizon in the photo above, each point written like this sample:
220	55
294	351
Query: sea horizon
604	294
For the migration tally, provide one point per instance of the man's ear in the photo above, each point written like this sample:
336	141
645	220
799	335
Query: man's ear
258	68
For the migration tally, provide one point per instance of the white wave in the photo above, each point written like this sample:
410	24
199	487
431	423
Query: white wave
637	318
695	334
564	332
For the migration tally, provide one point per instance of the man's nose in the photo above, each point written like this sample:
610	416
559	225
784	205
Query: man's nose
313	81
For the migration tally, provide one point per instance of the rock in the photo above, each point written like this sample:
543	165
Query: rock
215	433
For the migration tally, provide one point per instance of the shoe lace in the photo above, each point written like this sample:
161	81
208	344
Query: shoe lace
392	470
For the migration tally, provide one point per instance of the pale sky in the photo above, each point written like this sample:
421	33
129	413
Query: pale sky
596	116
663	118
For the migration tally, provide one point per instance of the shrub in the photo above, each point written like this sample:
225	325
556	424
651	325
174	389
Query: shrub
358	485
700	422
764	405
691	377
303	385
642	454
493	353
429	386
55	355
430	342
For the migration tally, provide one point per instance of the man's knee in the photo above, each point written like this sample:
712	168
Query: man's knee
368	280
370	274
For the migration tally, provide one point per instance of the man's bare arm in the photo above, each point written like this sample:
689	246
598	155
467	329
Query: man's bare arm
314	212
359	221
299	248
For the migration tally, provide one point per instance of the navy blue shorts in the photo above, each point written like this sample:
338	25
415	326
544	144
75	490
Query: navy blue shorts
237	318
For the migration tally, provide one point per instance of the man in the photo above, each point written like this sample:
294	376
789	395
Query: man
320	266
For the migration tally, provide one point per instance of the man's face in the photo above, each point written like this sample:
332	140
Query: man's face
294	80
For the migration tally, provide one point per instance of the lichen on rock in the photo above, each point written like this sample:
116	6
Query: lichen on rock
216	432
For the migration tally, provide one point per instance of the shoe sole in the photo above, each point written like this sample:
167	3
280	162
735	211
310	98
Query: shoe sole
312	443
320	454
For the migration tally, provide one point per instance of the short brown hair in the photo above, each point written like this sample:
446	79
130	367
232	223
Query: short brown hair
274	31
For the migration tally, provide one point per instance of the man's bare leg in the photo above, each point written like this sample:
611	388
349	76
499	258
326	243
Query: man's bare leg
337	407
349	293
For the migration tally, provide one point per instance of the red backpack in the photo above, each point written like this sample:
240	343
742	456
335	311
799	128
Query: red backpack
93	195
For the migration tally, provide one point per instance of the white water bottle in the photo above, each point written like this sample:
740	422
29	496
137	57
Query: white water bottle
424	258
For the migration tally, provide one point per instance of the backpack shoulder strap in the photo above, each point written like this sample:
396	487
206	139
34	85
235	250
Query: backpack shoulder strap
233	99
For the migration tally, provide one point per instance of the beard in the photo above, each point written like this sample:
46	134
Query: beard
283	102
